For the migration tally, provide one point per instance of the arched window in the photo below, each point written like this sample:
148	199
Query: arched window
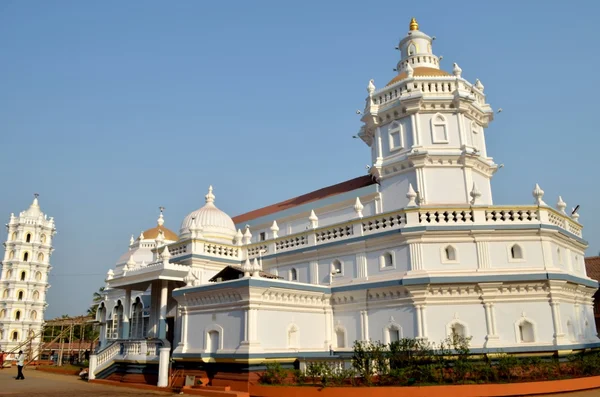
5	294
9	274
516	252
23	275
412	49
36	295
386	260
2	313
293	275
292	336
213	341
18	315
525	331
40	257
137	319
450	254
458	330
33	315
14	236
213	338
392	332
28	238
11	254
340	337
395	137
25	256
439	129
20	295
15	336
43	239
571	331
336	267
38	276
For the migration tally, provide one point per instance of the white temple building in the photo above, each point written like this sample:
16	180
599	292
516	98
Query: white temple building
24	279
415	249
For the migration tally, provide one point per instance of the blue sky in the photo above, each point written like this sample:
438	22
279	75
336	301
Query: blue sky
111	109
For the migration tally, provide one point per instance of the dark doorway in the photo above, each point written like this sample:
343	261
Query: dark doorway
171	331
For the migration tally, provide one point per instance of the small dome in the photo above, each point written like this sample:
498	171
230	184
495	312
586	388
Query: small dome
210	221
152	233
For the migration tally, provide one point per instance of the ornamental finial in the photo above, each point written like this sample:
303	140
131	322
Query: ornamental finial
413	24
161	219
210	197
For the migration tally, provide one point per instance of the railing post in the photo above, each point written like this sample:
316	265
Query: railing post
92	366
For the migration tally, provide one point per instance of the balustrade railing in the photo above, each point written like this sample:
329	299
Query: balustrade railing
414	217
122	348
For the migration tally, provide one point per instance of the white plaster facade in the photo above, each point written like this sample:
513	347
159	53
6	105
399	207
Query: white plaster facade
24	278
417	249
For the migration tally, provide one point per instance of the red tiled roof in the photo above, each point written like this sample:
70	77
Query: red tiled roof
328	191
592	267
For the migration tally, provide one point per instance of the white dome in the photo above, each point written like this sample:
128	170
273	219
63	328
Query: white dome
210	221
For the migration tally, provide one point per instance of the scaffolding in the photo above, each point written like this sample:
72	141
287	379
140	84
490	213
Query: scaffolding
62	331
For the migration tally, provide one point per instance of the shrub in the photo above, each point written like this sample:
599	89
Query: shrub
274	375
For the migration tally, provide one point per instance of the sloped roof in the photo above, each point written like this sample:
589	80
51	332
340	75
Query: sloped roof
232	272
592	267
328	191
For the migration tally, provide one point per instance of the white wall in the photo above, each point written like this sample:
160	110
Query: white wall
500	256
472	316
445	185
434	256
508	313
274	325
231	322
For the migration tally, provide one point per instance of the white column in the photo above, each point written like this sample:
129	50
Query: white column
488	319
424	320
162	317
364	325
184	325
419	322
126	315
314	272
413	127
493	315
252	325
163	367
379	148
247	326
328	327
361	265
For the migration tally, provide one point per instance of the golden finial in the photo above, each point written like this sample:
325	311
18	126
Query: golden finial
413	24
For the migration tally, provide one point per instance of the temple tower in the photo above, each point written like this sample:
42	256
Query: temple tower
425	128
24	278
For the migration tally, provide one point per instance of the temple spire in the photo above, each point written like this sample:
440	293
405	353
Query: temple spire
414	25
210	197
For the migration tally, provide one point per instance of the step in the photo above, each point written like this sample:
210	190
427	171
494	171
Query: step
213	391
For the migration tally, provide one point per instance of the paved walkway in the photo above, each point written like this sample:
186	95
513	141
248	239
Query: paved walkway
44	384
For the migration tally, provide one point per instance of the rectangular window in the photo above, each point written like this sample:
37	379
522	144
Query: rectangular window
262	236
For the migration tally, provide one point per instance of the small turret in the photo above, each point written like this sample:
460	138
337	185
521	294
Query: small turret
314	220
275	229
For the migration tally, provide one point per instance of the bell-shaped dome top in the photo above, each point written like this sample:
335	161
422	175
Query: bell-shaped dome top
34	210
153	233
210	221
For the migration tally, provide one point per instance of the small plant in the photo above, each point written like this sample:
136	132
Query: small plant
274	375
